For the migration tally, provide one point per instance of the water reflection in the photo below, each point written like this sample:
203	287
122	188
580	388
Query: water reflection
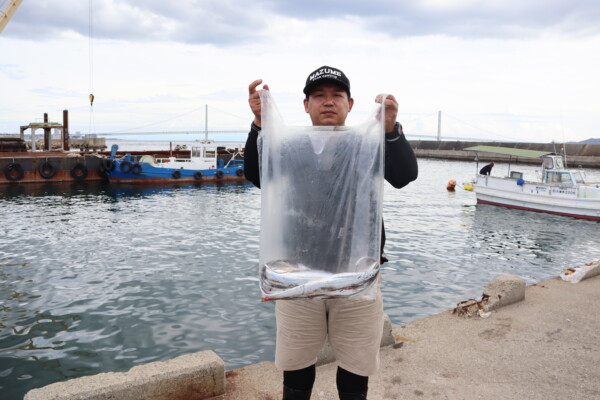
167	190
63	189
98	278
93	189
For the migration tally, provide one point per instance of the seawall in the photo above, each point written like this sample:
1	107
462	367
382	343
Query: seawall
584	155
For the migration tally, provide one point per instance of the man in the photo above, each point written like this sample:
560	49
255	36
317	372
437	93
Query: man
354	326
487	170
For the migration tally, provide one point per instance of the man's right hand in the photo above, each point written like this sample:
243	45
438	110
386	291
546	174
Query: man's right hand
254	100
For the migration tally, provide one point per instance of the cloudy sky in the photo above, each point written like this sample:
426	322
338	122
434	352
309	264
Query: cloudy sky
497	69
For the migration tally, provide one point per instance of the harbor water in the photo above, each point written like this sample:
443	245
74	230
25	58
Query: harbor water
95	278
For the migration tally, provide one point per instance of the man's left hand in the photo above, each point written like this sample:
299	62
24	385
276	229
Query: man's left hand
391	110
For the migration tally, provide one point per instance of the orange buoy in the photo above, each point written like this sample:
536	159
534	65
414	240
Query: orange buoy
451	185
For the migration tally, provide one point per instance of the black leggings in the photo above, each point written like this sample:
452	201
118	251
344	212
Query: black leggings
347	382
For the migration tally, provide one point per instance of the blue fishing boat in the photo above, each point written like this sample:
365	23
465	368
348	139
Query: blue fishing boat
204	163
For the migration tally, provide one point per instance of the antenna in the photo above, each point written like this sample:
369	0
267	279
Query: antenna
562	127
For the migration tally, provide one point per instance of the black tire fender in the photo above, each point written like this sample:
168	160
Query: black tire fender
79	171
197	175
136	169
125	167
46	170
108	164
219	174
239	172
176	174
13	171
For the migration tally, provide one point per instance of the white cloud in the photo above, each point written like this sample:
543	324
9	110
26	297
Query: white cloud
533	87
210	21
230	22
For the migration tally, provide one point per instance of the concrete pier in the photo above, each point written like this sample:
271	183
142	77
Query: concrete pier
542	348
540	343
189	377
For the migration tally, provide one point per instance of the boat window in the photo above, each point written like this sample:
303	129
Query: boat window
196	152
578	177
559	163
209	153
558	177
516	175
547	163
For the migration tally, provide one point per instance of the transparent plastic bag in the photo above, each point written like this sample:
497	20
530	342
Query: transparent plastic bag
322	196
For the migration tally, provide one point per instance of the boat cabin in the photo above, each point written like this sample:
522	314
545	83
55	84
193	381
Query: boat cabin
554	173
552	161
204	156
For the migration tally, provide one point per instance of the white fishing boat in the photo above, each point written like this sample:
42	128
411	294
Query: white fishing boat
554	190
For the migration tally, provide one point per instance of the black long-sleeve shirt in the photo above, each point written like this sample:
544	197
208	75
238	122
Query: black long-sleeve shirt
400	162
487	170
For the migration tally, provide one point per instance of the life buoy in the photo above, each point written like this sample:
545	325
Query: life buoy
219	174
197	175
239	172
136	169
451	185
13	172
46	170
125	167
108	164
176	174
79	171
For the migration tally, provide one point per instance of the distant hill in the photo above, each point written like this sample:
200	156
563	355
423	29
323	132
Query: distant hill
589	141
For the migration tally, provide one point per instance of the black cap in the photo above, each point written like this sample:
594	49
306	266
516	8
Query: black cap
326	74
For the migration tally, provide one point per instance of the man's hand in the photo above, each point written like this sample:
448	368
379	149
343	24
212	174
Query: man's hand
391	110
254	100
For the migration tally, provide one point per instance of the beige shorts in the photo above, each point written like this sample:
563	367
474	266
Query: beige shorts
354	328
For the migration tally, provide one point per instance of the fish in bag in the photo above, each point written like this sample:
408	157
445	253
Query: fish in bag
322	198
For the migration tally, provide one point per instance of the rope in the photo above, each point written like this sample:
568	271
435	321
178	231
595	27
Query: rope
404	122
92	121
159	122
228	113
481	129
92	128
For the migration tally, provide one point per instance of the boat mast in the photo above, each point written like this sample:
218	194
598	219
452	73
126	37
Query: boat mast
439	133
206	123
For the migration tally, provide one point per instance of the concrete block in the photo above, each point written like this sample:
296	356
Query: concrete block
327	354
387	338
577	274
192	377
503	290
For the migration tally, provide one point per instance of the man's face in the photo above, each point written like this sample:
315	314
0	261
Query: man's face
328	105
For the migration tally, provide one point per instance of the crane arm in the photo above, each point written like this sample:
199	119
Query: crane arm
7	14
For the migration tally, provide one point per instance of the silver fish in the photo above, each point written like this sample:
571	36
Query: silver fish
326	285
283	274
